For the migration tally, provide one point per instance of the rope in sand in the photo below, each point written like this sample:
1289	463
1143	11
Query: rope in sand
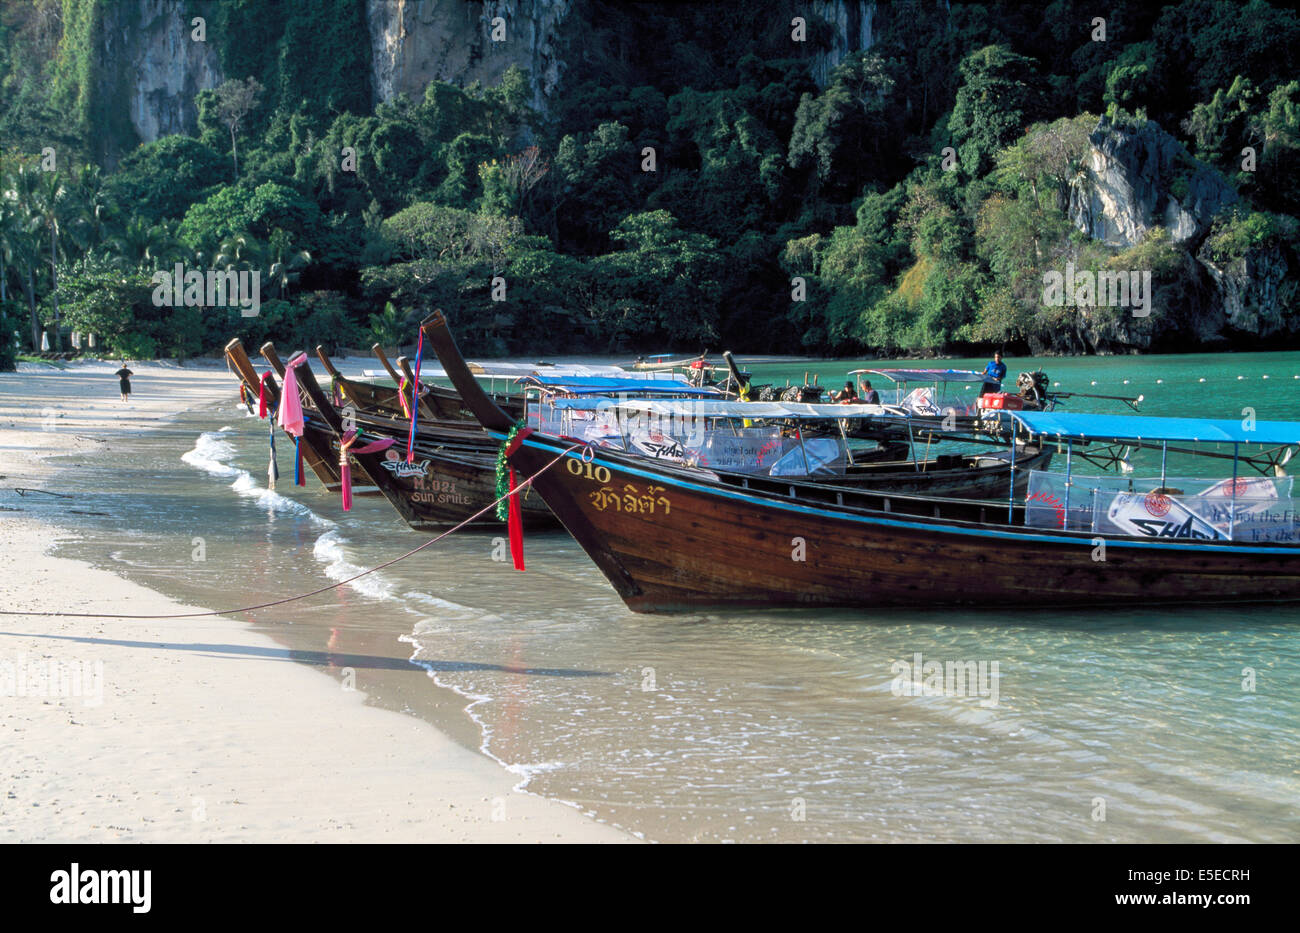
333	586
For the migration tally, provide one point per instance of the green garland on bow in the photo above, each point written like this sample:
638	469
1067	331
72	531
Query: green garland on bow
503	471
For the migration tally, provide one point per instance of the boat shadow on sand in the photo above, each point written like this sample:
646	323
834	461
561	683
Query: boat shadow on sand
319	658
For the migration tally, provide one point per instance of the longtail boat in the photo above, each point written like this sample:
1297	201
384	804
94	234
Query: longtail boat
315	444
670	537
449	479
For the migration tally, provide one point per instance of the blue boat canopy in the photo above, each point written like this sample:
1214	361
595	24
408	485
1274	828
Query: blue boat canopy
1076	426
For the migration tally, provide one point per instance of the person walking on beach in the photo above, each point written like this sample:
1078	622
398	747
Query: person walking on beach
125	375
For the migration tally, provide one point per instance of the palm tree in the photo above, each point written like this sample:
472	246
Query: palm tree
24	236
8	230
237	252
286	262
54	201
143	245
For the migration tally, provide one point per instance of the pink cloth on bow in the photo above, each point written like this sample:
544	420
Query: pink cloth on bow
290	402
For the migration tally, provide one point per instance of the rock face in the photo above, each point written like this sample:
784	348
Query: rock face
159	67
1138	177
414	42
1257	290
159	64
851	21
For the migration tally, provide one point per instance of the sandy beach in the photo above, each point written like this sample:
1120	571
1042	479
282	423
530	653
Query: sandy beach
196	730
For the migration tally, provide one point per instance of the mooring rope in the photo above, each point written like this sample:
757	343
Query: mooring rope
333	586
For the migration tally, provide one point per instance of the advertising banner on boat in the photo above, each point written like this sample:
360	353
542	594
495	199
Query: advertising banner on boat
746	450
1152	515
1048	505
1255	508
657	446
816	455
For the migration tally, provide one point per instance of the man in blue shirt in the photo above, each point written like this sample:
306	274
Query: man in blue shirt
994	373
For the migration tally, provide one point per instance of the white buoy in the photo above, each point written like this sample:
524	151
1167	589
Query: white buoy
1094	382
1125	382
1202	379
1056	385
1265	375
1160	382
1239	378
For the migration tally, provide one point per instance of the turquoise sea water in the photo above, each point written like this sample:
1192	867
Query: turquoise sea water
1122	725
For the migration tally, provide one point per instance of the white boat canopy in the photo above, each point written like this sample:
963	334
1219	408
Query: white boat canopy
716	408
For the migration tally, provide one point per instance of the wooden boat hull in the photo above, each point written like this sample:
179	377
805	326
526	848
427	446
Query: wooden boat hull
667	541
678	539
447	483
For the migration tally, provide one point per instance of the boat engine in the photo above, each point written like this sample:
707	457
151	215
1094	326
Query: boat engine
1032	387
804	393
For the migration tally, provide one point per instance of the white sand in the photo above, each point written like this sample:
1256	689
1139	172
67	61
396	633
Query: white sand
193	739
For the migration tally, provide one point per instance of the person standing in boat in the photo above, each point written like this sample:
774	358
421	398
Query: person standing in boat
124	376
994	373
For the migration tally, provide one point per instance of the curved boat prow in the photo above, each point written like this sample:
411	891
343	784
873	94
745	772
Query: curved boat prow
380	355
326	362
741	383
488	413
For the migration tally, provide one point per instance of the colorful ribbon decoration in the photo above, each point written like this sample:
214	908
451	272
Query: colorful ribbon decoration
415	400
290	414
401	394
272	468
515	526
514	514
262	406
345	468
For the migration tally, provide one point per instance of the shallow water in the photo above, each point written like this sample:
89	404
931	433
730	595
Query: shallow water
746	726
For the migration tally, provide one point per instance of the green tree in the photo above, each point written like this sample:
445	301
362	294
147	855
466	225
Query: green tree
161	179
1001	93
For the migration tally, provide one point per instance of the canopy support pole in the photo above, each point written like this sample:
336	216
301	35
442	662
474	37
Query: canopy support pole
1232	521
1011	491
1164	458
1069	465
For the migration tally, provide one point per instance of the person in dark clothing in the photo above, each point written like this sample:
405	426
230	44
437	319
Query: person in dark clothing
994	373
125	375
846	395
869	395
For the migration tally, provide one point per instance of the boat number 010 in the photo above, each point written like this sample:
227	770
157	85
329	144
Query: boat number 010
579	468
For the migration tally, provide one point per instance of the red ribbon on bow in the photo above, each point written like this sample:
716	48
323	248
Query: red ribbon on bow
262	408
515	525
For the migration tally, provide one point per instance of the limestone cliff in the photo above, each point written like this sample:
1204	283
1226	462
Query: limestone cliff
154	67
851	22
414	42
1136	177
